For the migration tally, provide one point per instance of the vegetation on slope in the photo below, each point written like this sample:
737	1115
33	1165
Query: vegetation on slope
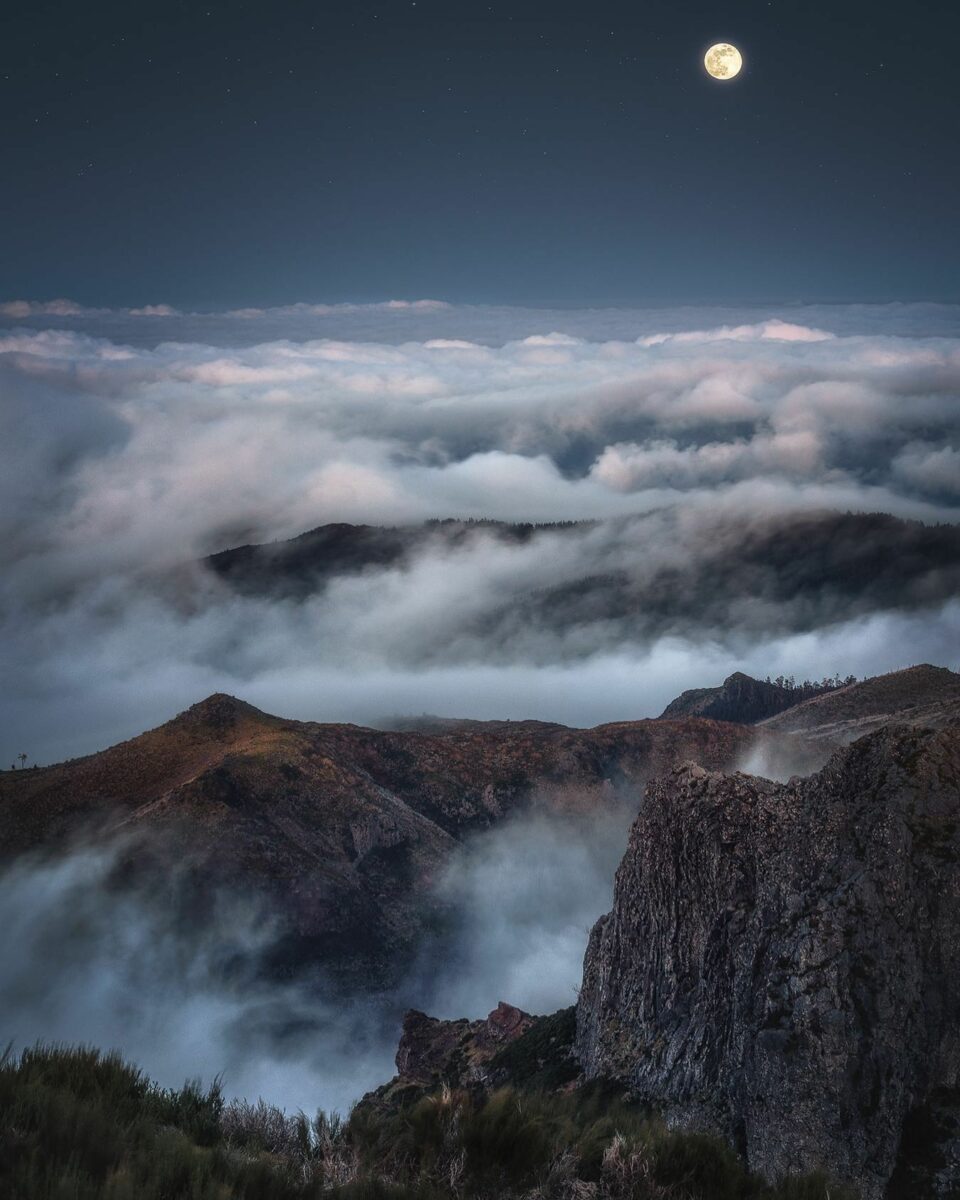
76	1124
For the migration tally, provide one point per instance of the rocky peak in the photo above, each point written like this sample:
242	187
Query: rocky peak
782	962
740	698
218	714
434	1051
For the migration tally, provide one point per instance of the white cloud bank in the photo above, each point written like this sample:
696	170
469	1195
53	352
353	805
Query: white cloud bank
123	457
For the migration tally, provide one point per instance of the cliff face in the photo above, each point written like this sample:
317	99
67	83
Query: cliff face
507	1047
782	962
432	1050
740	698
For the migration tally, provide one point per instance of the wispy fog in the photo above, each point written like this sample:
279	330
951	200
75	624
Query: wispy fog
525	896
85	962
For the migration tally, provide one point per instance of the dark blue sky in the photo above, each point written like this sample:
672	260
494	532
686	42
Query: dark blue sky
541	153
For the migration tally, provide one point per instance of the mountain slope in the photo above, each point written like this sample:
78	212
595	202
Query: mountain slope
921	695
340	831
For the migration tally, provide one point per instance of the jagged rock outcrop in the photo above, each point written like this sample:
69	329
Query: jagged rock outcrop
508	1046
740	698
782	963
433	1051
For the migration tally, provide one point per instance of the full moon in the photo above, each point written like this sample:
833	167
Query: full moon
723	61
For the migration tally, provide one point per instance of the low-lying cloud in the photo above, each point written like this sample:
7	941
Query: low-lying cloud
87	961
87	964
127	458
524	897
716	453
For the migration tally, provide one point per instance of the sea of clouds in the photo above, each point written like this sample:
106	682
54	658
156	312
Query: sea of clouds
136	441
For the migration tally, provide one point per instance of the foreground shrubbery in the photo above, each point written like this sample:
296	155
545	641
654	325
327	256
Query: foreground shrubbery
78	1125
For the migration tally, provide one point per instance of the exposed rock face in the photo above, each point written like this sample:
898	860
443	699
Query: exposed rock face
508	1046
741	698
782	961
433	1051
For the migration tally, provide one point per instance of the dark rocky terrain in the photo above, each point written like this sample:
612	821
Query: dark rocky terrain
340	831
781	966
741	698
782	963
508	1047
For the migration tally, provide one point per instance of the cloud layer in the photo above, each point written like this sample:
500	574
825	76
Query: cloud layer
125	459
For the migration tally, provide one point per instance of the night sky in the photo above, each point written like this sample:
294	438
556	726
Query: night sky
529	153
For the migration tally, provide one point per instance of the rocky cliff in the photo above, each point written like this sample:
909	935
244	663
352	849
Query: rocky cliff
507	1047
739	698
782	963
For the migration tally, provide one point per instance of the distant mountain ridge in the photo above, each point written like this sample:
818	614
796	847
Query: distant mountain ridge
744	699
635	578
303	565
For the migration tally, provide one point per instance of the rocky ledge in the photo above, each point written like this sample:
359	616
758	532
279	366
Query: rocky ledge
508	1046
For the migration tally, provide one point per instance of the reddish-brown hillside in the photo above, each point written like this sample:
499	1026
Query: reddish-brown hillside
340	829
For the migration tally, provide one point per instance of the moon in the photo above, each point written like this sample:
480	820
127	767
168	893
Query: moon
723	61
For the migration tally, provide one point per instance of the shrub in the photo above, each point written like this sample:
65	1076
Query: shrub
76	1124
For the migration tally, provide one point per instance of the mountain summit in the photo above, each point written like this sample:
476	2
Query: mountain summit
339	831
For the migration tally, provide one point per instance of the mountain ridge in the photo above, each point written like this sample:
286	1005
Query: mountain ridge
924	694
639	578
340	830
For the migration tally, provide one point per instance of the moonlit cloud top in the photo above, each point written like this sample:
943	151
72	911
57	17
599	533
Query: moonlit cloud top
125	458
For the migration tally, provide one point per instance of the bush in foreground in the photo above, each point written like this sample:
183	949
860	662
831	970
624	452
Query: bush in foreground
76	1124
